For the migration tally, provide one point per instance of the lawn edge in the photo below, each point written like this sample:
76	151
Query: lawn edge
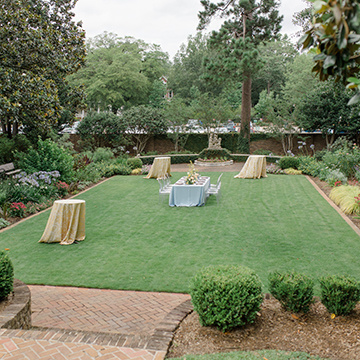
49	208
342	214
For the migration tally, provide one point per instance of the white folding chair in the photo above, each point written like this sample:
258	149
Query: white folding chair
215	191
213	186
163	190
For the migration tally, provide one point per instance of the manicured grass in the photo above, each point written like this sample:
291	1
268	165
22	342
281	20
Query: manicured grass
133	241
253	355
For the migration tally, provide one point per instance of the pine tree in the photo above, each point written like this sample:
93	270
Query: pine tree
248	23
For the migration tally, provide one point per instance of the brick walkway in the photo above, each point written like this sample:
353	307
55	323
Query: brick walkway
77	323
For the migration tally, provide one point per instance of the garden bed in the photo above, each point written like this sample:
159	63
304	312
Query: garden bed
315	333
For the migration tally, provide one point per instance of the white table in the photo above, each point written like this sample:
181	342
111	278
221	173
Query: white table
66	222
189	195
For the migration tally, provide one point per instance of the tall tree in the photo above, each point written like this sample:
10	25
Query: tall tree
248	24
120	71
40	45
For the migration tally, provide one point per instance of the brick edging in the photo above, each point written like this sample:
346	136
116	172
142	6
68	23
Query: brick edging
17	315
164	333
352	225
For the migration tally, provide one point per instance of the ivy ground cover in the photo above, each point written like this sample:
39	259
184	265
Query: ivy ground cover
136	242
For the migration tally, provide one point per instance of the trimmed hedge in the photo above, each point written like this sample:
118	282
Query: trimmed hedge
339	294
215	153
295	291
226	296
186	158
6	275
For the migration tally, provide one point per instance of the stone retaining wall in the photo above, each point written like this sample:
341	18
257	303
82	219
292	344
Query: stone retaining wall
17	315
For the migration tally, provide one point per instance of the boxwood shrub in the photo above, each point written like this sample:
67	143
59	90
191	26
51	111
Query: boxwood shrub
295	291
215	154
226	296
339	294
134	163
6	275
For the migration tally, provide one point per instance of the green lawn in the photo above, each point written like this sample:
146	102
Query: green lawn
253	355
133	241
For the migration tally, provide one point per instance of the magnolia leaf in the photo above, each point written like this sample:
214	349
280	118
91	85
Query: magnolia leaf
329	61
320	7
294	316
355	99
333	316
337	14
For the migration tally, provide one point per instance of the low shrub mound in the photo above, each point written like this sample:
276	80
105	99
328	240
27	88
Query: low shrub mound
287	162
291	171
6	275
339	294
209	154
347	198
226	296
295	291
134	163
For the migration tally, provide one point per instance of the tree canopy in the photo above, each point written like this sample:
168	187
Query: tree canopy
120	71
40	45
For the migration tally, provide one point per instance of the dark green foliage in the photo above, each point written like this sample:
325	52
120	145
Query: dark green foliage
226	296
100	130
207	154
243	145
339	294
295	291
262	152
310	166
111	169
287	162
134	163
48	156
8	147
41	45
175	159
196	142
6	275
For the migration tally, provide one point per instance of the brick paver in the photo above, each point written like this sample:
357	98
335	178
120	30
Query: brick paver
79	323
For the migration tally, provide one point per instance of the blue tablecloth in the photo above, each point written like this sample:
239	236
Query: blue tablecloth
189	195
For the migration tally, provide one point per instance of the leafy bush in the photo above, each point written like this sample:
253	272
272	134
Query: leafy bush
6	275
226	296
287	162
295	291
47	157
8	147
345	197
332	176
3	223
215	154
309	165
339	294
134	163
102	155
110	169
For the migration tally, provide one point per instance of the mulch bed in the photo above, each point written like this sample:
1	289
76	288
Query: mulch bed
315	333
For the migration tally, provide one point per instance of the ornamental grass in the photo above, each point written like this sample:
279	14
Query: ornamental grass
347	198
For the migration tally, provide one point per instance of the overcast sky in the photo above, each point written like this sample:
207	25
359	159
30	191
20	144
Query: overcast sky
167	23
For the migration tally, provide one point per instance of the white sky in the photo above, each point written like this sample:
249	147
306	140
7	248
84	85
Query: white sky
167	23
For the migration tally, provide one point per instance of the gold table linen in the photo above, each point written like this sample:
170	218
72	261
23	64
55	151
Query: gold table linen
66	222
159	168
254	168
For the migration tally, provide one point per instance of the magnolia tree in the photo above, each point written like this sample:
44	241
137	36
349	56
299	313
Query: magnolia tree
40	45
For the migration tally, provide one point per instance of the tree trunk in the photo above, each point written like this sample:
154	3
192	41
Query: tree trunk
246	107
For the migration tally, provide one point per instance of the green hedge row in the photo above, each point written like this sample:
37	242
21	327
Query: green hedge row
186	158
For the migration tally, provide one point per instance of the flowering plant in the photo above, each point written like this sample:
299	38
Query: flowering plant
192	175
17	209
